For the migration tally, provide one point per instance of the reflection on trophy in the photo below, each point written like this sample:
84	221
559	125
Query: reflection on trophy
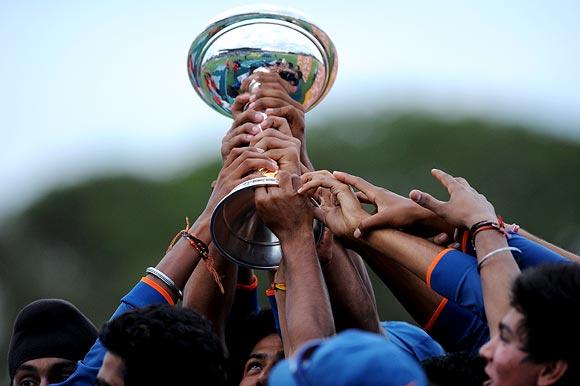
228	51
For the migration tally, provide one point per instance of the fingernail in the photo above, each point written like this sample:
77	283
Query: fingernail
269	111
415	196
251	105
258	116
357	233
255	129
252	98
260	150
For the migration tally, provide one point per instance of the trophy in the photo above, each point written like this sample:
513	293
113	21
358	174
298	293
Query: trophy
235	45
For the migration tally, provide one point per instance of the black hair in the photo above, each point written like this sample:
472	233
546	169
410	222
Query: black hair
548	296
243	335
455	369
164	345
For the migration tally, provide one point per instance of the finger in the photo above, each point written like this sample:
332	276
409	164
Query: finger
319	214
463	181
296	183
239	103
268	103
273	133
441	239
242	152
287	159
278	123
250	165
266	91
271	78
314	180
379	220
426	201
238	155
445	179
248	116
361	184
362	198
268	143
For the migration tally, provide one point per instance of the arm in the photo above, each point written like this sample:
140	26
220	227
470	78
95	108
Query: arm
569	255
202	291
307	307
353	304
465	208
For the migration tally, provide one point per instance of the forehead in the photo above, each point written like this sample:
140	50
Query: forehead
513	319
42	364
269	343
112	371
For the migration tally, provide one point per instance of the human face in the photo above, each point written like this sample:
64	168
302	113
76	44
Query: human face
507	363
112	371
43	371
266	353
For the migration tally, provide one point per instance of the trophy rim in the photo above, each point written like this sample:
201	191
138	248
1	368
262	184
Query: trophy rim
287	17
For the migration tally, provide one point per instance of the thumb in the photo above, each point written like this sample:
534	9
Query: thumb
426	200
376	221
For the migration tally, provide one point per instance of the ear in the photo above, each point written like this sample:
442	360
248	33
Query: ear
552	372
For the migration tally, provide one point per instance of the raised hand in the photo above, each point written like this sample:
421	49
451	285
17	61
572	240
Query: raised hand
240	166
393	210
465	207
245	126
343	212
287	213
279	144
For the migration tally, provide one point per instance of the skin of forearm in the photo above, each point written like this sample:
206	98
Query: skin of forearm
413	253
308	312
352	305
359	264
180	261
203	294
411	291
497	275
280	277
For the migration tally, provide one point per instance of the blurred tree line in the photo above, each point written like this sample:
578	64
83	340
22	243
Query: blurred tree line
90	243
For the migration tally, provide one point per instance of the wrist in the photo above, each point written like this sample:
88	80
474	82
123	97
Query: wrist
480	218
200	228
298	233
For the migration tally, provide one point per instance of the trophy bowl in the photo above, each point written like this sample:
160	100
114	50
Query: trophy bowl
247	38
235	45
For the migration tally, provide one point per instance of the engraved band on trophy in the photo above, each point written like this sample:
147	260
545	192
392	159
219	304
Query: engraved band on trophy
230	49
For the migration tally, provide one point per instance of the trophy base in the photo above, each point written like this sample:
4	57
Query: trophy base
241	236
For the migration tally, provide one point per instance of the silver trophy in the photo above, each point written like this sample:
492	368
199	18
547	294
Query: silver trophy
230	49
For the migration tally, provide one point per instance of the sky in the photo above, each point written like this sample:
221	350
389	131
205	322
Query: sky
90	88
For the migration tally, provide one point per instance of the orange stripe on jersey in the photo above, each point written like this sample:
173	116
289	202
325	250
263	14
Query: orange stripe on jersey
159	289
434	264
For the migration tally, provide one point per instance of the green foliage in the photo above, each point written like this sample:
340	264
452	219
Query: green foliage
91	243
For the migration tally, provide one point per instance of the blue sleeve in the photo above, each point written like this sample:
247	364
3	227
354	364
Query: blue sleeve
457	329
533	253
455	277
141	295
